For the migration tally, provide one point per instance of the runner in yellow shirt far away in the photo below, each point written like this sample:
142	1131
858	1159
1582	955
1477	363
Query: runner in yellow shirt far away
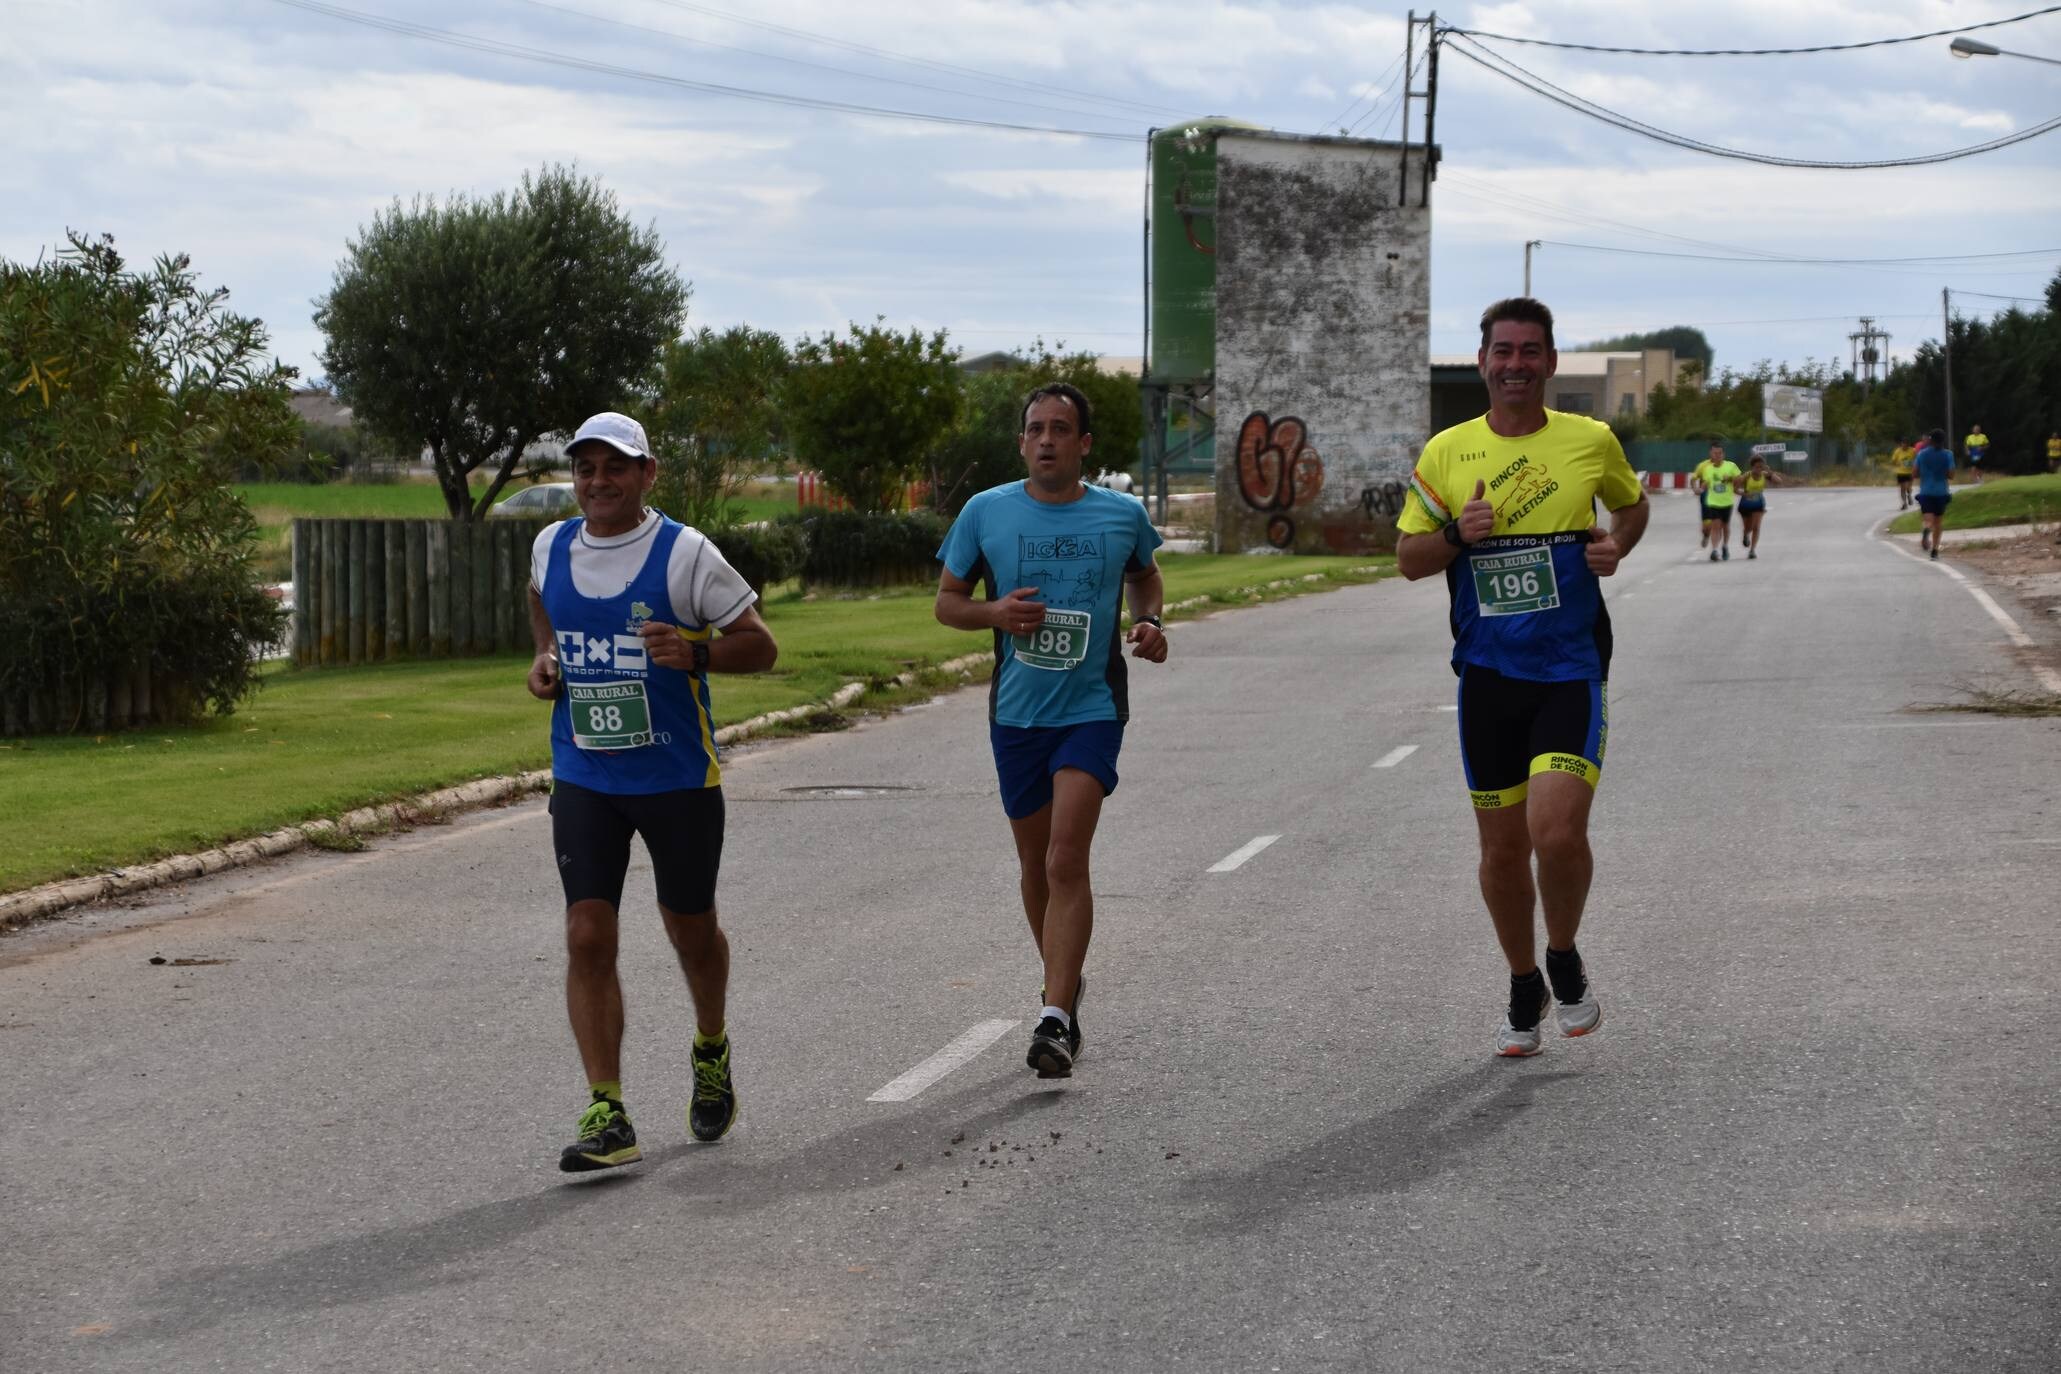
1717	473
1977	449
1900	467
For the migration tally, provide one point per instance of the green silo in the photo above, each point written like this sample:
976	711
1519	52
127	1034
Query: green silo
1182	294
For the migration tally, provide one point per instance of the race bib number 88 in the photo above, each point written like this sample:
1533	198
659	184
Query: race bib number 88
1516	582
609	715
1058	644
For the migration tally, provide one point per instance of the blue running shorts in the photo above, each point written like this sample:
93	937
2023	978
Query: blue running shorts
1027	757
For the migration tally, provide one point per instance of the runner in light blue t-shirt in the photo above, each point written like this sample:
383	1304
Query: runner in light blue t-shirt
1055	556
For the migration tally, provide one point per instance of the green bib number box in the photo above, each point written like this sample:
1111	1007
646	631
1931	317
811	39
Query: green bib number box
1058	644
609	715
1516	582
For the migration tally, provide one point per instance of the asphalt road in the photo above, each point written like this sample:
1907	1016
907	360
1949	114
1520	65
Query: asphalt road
1819	1130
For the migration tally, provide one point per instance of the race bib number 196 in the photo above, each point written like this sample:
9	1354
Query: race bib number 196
1058	644
609	715
1515	582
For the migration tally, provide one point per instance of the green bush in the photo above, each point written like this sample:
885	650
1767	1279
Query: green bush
763	554
860	549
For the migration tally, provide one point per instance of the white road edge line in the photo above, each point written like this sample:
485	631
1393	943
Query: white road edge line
2048	678
944	1061
1243	852
1395	756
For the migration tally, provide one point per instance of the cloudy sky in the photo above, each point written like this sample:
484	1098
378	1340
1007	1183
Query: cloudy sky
258	135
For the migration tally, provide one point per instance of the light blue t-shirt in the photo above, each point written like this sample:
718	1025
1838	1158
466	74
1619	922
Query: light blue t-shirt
1076	555
1935	465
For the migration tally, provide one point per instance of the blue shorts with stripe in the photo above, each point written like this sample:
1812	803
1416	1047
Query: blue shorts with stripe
1511	729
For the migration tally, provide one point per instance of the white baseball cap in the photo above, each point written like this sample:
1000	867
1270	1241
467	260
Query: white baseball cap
618	431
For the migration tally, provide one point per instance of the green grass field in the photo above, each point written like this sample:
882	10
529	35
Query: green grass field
318	743
1998	501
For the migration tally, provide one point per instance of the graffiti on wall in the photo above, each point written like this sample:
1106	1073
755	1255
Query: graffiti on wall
1277	471
1384	500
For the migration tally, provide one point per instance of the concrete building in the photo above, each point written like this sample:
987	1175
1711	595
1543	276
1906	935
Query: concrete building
1604	385
1289	299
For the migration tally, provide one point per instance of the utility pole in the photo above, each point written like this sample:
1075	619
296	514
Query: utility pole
1529	244
1946	348
1430	107
1866	356
1402	170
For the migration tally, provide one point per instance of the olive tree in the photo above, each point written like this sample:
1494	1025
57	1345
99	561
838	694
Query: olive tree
128	401
475	327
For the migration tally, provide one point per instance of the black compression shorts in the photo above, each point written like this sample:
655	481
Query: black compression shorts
1511	728
683	833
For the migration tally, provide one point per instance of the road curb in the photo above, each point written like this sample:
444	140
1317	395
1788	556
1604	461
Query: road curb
38	903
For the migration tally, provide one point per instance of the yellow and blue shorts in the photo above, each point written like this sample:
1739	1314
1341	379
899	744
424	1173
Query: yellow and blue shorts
1512	729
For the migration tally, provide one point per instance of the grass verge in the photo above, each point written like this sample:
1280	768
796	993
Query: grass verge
1998	501
319	743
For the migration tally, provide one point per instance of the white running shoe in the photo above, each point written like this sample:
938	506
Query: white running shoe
1514	1043
1582	1015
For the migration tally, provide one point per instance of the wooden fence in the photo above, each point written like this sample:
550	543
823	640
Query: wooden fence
367	591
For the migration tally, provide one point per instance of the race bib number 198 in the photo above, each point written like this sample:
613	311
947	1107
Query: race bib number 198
609	715
1515	582
1058	644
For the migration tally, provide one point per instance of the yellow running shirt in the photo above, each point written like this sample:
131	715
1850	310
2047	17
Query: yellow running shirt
1523	599
1717	479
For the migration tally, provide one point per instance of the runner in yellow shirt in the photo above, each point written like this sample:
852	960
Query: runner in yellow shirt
1977	449
1753	503
1900	465
1718	475
2054	451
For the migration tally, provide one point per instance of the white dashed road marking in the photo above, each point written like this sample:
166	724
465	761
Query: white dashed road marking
944	1061
1395	756
1243	852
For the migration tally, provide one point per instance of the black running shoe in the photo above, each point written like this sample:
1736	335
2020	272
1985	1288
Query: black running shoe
1073	1032
606	1140
1051	1049
714	1107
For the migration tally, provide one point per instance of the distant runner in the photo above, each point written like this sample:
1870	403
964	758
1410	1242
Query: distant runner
1978	452
624	608
1900	466
1753	504
1718	473
1504	506
2054	451
1055	556
1935	467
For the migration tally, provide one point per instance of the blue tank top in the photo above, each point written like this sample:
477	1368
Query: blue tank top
622	724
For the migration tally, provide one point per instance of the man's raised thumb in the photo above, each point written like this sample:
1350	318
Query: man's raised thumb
1480	489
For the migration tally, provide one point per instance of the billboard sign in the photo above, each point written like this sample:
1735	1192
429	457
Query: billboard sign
1799	409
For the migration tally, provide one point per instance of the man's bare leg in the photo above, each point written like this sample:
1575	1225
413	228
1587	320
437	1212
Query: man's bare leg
593	994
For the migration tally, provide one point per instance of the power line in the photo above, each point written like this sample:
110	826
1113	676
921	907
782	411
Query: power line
1759	52
1991	295
1378	117
497	48
816	66
847	45
1538	85
1943	260
1378	88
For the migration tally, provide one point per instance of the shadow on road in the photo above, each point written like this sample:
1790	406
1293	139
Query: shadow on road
1392	1151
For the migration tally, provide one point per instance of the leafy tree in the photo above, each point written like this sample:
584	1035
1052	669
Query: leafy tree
127	403
2007	378
1686	340
476	327
714	419
867	409
980	451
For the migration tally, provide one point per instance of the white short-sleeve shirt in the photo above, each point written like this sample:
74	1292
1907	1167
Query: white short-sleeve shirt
698	579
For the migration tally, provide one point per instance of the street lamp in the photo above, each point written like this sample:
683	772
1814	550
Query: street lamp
1975	47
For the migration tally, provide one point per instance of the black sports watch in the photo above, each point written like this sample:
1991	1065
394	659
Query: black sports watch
1451	530
698	651
1151	620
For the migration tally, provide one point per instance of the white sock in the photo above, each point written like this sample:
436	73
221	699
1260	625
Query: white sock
1064	1019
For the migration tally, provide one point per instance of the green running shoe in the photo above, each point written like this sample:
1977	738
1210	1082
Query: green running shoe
606	1140
714	1108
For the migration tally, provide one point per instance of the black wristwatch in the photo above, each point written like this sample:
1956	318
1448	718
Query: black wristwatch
1451	530
699	651
1151	620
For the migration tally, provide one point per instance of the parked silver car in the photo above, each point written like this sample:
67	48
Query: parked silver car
546	500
